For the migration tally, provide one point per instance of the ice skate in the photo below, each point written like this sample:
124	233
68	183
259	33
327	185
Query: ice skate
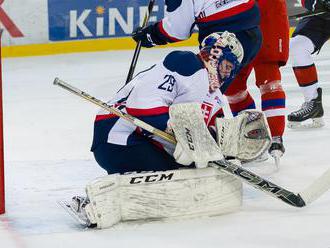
76	208
309	115
276	150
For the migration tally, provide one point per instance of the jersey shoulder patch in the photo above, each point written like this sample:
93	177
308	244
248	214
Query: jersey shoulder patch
183	62
172	5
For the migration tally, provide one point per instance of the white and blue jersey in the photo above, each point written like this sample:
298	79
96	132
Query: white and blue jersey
209	15
179	78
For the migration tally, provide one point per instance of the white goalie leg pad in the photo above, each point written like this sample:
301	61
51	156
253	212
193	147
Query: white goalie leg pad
186	193
245	137
104	195
187	122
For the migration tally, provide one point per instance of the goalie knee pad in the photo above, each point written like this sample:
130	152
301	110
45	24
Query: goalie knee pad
162	195
244	137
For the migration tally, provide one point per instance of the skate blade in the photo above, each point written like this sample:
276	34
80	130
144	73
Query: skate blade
277	155
310	123
67	207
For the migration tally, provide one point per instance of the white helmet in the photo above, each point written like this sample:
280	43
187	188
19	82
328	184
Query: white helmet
218	47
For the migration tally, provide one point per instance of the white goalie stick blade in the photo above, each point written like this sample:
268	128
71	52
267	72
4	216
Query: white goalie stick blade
317	188
78	218
189	127
310	194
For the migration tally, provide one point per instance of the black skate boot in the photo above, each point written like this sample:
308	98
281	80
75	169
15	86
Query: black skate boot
309	115
276	150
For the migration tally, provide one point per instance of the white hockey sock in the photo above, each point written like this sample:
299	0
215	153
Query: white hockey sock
310	92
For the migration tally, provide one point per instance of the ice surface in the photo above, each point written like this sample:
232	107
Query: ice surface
48	134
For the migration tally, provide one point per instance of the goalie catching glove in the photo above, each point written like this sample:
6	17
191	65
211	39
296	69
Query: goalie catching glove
245	137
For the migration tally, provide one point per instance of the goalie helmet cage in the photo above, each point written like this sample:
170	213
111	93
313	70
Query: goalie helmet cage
2	169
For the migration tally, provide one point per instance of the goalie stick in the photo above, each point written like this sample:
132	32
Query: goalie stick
115	111
311	193
138	45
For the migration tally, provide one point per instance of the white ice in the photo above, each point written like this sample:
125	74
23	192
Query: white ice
48	134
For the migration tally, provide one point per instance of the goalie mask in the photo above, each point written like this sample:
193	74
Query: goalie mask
222	54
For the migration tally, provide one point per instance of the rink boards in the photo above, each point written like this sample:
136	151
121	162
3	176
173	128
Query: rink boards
59	26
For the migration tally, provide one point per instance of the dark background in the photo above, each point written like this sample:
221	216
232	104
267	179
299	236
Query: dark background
294	7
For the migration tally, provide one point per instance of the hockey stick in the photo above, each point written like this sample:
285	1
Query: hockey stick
115	111
311	193
138	45
305	14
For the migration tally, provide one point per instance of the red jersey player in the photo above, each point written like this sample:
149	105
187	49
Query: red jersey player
273	55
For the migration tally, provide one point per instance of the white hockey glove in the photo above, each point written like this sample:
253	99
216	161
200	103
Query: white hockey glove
245	137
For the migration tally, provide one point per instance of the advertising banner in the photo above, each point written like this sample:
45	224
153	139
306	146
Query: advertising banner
92	19
24	22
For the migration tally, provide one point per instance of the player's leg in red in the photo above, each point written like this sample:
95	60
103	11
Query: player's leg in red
273	54
268	80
